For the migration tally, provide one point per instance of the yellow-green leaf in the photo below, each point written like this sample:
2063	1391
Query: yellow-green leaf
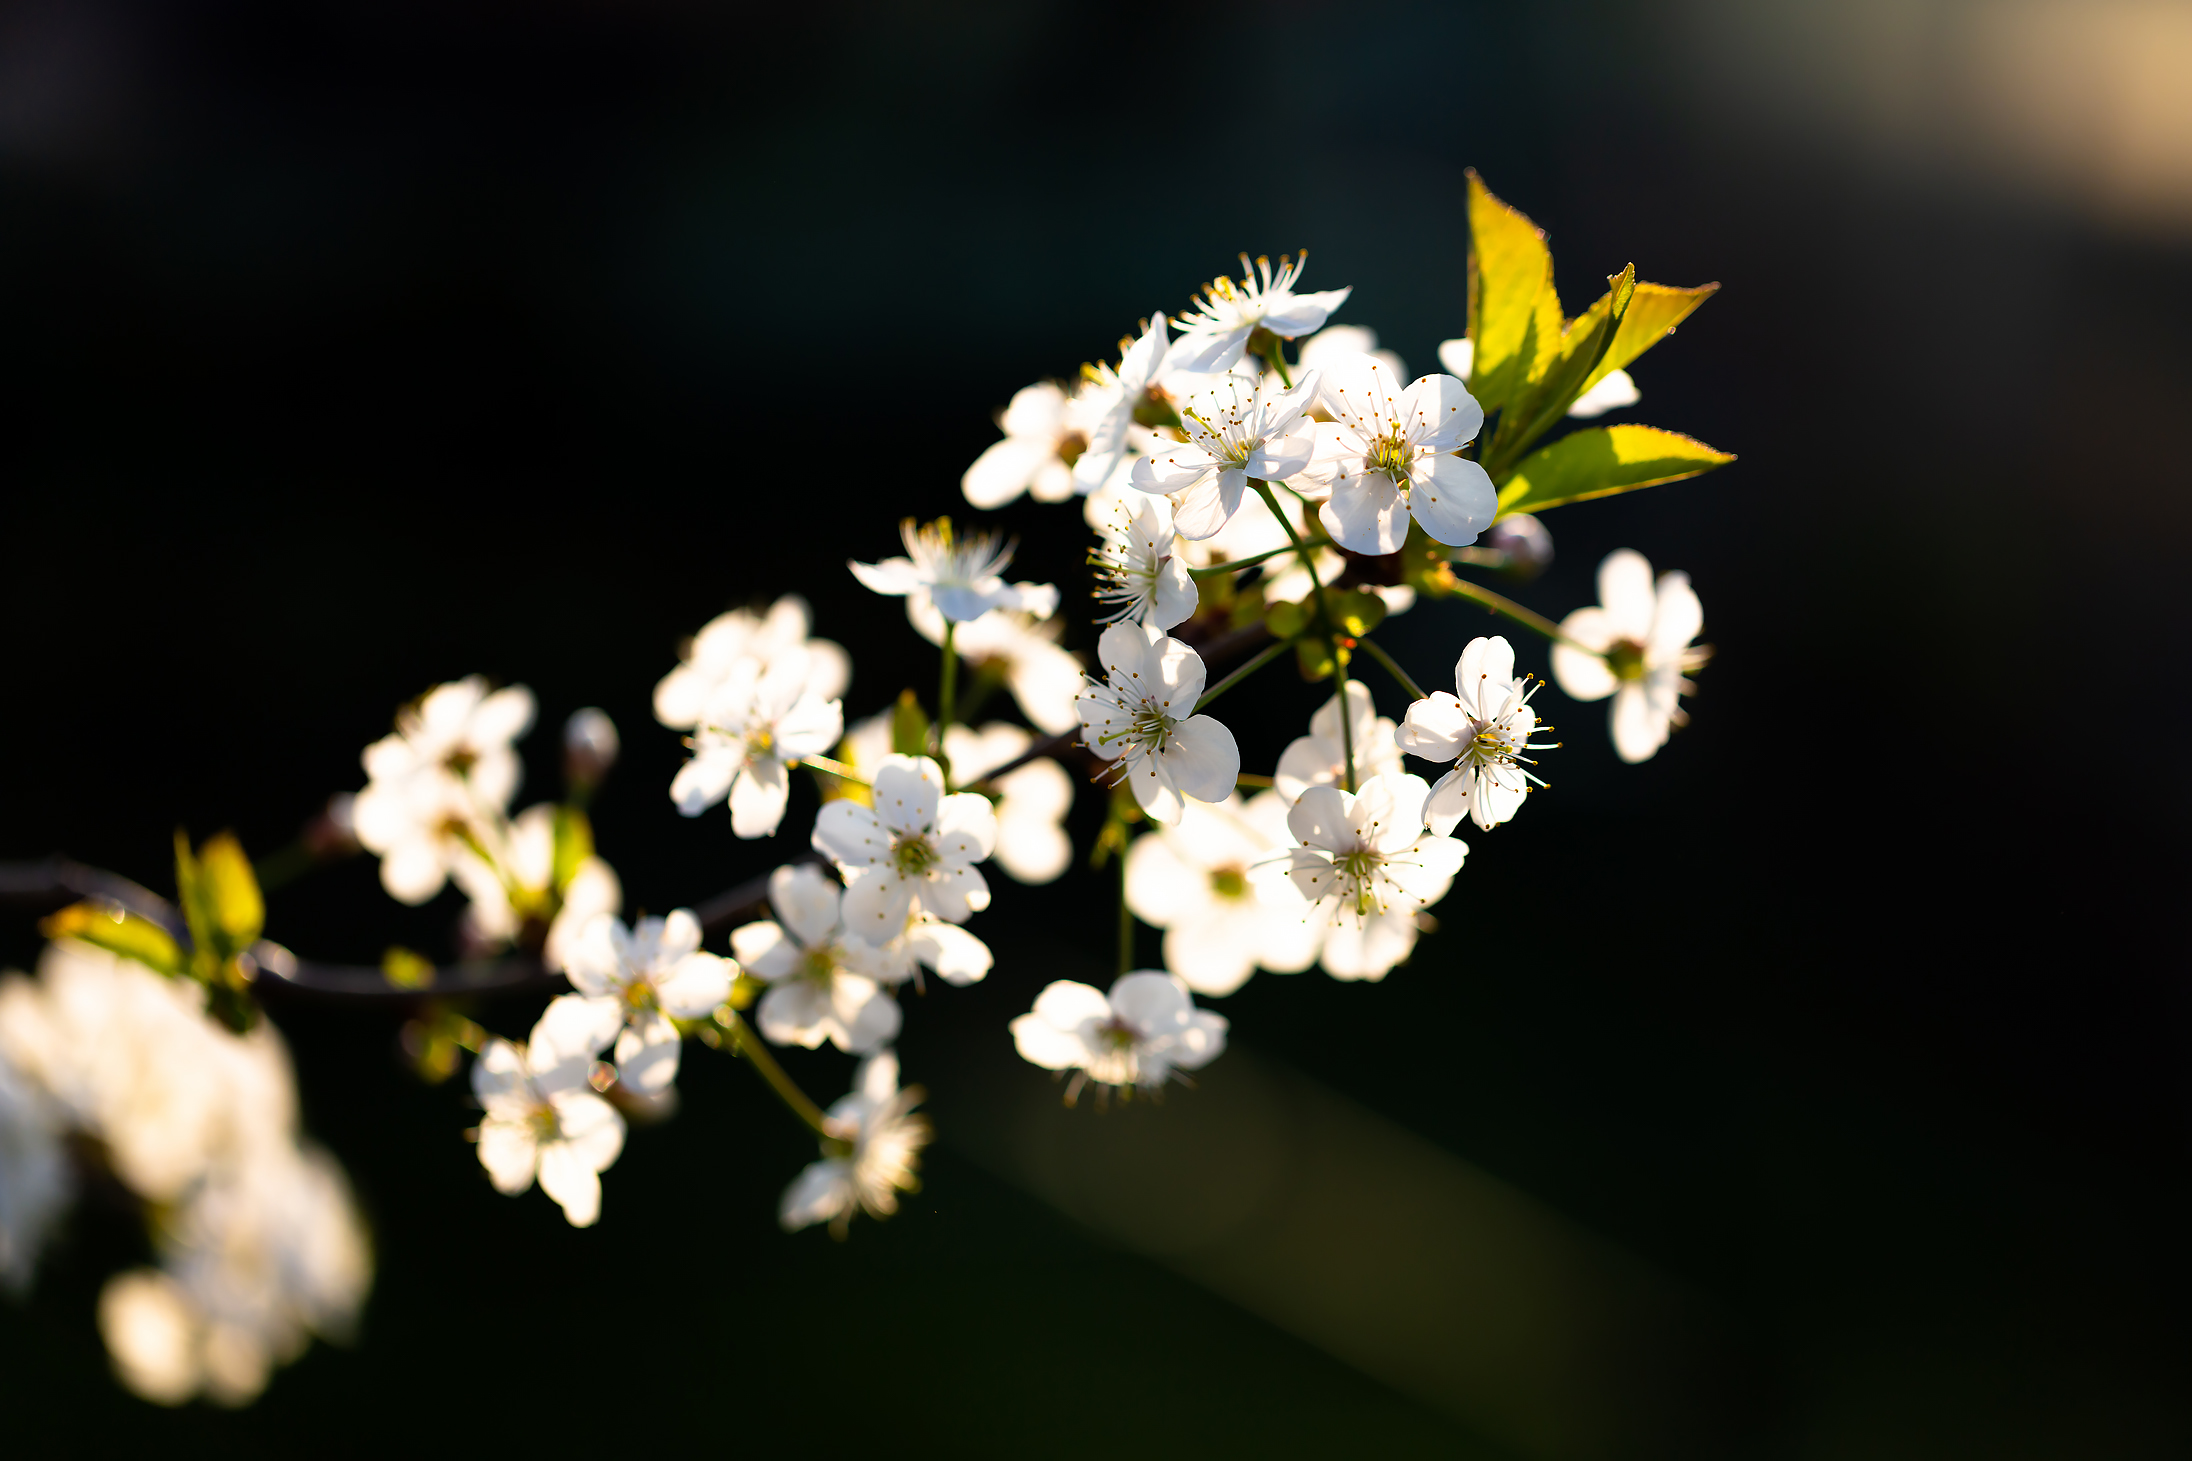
1600	461
1514	312
909	726
1545	398
231	893
406	969
1285	620
1354	612
118	931
1651	317
574	844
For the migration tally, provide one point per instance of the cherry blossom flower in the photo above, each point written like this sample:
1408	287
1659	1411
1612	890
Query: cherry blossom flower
1484	728
1368	948
1389	454
1217	884
1137	1036
1369	853
757	724
1237	429
1635	646
34	1174
960	575
869	1157
1106	402
1317	758
1032	800
1138	572
730	640
914	846
448	767
1215	334
543	1119
648	975
823	979
525	862
1046	432
1614	389
1335	341
1143	718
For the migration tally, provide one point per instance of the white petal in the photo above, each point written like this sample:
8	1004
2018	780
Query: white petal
1151	1002
1452	497
958	957
702	782
764	950
806	901
646	1055
1625	592
695	985
1203	759
850	835
1458	356
1366	514
966	827
906	790
509	1153
758	799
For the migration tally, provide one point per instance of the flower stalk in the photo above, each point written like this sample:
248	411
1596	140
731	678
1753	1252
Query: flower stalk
750	1045
1324	616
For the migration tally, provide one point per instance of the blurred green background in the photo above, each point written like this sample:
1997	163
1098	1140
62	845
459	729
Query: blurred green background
1815	1090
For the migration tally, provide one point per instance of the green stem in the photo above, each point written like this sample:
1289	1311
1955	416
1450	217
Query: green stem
1263	657
1377	652
745	1041
1126	914
1331	634
946	692
1276	354
1527	618
1255	558
835	768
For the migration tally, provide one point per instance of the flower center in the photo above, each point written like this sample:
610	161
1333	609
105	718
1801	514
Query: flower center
1151	726
913	854
639	994
1625	657
1393	456
1358	878
760	741
542	1118
1071	446
1229	882
820	965
461	761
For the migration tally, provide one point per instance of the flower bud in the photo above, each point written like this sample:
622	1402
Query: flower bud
1524	545
590	746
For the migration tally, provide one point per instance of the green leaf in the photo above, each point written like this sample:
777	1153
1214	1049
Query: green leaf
118	931
1354	612
406	968
1514	311
1315	658
233	902
1546	397
1650	318
909	726
1599	461
574	844
1286	620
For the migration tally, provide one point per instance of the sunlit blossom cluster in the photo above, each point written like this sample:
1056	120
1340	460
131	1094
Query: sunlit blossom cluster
1259	489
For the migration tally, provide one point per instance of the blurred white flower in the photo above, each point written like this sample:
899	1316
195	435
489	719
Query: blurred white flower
1032	800
741	636
823	979
447	768
1613	390
949	951
651	973
1139	573
914	846
1389	454
1369	853
1334	341
756	725
152	1335
1215	334
1046	432
1106	401
526	854
1236	429
1484	728
871	1155
1635	646
1044	679
1217	884
1316	759
543	1118
1137	1036
35	1184
1143	717
959	574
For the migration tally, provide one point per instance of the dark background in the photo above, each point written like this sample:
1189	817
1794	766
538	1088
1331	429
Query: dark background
355	347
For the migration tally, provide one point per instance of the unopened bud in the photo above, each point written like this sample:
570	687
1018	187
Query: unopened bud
1526	548
590	746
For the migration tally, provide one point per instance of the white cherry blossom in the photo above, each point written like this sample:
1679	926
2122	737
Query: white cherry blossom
1137	1036
1336	341
525	855
1484	728
1217	884
34	1175
1046	431
729	640
1635	646
756	725
823	978
960	574
914	846
1215	333
1614	389
1237	429
448	767
1368	948
1389	454
1318	758
869	1157
1369	853
1143	718
543	1119
1138	571
1106	402
1032	800
648	974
